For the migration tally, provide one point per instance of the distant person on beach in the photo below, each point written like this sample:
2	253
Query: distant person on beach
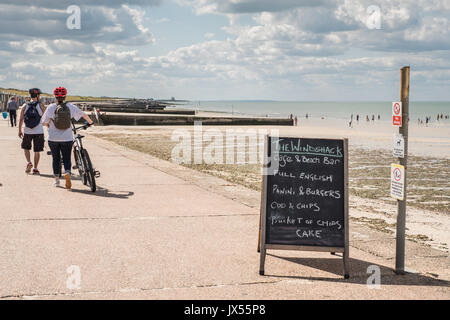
33	133
12	109
367	118
378	117
373	118
296	121
306	116
57	119
357	118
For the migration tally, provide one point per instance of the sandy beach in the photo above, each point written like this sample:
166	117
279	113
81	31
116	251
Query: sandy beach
428	220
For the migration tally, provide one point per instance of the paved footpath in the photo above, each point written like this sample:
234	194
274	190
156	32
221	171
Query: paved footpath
155	230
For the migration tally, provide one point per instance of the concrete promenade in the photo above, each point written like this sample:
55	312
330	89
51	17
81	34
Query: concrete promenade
155	230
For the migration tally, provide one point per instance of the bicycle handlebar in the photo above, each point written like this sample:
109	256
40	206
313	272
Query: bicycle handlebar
84	127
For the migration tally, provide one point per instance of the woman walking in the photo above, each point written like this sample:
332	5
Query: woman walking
58	118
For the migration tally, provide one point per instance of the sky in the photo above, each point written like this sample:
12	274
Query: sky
290	50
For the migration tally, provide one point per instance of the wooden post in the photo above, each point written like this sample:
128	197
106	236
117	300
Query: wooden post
260	216
262	221
346	255
401	213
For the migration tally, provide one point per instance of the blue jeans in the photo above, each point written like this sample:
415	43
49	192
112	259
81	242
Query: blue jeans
58	149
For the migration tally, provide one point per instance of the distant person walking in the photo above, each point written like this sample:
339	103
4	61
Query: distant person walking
57	119
33	133
12	109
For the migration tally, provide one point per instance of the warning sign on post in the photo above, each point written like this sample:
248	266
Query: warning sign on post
399	146
397	181
397	114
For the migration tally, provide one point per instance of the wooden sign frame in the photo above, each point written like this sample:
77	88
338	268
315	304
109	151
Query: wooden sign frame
263	246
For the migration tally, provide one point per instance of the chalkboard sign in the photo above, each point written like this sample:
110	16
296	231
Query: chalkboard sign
304	202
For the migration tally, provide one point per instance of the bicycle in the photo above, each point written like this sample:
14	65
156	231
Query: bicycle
82	160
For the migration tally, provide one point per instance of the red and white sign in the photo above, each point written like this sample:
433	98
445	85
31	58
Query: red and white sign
397	181
397	114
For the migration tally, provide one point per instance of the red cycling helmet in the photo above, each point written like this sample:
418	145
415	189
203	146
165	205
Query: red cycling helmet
60	92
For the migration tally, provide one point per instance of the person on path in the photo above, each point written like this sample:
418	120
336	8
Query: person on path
12	109
33	133
58	119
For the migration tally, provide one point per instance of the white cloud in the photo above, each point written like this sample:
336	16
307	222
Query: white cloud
294	49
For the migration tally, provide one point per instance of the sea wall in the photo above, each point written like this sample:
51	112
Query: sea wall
125	109
159	120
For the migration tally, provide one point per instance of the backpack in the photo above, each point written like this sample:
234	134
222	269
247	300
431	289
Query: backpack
32	117
62	118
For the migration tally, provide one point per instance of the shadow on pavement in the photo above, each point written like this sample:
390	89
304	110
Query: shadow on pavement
358	272
53	177
106	193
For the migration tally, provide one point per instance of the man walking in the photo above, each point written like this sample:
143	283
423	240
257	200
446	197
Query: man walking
31	114
12	109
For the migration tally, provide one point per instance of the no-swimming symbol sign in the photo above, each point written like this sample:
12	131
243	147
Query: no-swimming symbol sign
397	181
397	114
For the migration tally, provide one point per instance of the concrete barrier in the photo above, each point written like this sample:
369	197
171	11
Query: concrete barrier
140	110
159	120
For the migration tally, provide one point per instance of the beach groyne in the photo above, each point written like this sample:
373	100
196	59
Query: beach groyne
125	109
179	120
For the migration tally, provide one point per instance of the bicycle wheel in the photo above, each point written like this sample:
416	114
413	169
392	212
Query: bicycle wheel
90	174
80	166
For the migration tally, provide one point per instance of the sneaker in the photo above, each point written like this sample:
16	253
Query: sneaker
29	166
68	182
56	183
36	171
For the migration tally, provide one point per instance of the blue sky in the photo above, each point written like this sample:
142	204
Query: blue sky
229	49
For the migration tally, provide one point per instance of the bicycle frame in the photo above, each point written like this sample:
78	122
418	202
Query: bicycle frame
87	172
78	144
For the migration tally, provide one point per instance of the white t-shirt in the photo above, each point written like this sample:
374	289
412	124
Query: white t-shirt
39	129
55	134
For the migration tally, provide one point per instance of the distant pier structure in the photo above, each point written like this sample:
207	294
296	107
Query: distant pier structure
137	106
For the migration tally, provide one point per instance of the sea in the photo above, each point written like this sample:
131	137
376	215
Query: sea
317	109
